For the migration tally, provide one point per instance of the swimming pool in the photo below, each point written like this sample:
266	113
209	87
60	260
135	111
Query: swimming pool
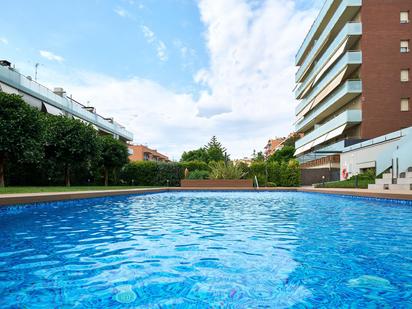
207	249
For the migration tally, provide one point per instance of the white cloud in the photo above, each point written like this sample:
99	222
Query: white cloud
148	34
50	56
161	49
4	41
121	12
249	83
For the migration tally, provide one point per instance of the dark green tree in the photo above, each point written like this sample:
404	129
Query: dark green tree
283	155
114	155
70	143
21	132
259	157
215	151
195	155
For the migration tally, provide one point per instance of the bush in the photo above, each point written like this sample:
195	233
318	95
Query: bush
222	170
142	173
282	174
198	174
194	165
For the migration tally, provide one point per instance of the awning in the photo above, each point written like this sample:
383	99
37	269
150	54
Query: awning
328	64
52	110
329	88
304	148
336	132
325	137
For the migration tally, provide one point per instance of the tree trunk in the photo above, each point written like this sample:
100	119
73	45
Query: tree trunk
106	176
2	163
67	175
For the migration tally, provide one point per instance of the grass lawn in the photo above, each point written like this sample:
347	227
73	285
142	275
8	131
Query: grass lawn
350	183
10	190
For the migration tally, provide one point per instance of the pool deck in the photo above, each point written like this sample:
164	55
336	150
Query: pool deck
26	198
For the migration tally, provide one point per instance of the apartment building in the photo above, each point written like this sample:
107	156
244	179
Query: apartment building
273	145
353	78
56	102
144	153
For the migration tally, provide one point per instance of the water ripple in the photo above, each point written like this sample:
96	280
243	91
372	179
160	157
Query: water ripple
207	250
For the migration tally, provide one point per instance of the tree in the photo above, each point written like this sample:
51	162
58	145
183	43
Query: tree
21	131
195	155
283	155
215	151
70	143
114	154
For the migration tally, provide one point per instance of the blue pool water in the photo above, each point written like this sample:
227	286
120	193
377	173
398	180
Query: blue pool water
207	250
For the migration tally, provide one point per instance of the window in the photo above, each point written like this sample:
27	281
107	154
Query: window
405	105
405	17
405	46
405	75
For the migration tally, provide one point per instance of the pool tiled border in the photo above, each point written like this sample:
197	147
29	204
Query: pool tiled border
23	200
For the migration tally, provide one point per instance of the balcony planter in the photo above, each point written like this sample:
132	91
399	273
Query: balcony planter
217	183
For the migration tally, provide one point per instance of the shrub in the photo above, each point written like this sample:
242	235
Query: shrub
142	173
222	170
198	174
274	173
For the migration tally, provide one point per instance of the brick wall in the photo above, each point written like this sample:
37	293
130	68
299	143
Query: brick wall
382	63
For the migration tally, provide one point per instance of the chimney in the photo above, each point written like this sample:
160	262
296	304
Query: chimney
59	91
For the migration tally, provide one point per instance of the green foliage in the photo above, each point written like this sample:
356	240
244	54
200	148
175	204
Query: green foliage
258	157
114	155
142	173
283	155
199	174
281	174
363	181
20	132
150	173
168	174
213	151
194	165
195	155
70	143
228	170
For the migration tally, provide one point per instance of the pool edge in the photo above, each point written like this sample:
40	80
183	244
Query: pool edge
29	198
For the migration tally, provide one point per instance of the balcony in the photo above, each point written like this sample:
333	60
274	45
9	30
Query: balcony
331	129
344	94
315	27
341	16
348	63
346	37
26	85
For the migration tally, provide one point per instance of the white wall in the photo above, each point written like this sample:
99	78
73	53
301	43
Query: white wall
364	157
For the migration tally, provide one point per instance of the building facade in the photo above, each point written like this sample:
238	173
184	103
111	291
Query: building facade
144	153
273	145
56	102
353	78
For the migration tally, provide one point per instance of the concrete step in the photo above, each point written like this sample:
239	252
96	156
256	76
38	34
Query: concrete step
408	175
387	176
383	181
400	187
378	187
404	181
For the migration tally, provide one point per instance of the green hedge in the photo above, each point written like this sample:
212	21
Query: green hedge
276	174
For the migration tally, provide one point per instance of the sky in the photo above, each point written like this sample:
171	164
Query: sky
174	72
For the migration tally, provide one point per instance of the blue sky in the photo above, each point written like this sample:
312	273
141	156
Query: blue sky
175	72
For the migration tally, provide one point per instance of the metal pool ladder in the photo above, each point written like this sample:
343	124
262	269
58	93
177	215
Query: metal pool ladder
257	182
